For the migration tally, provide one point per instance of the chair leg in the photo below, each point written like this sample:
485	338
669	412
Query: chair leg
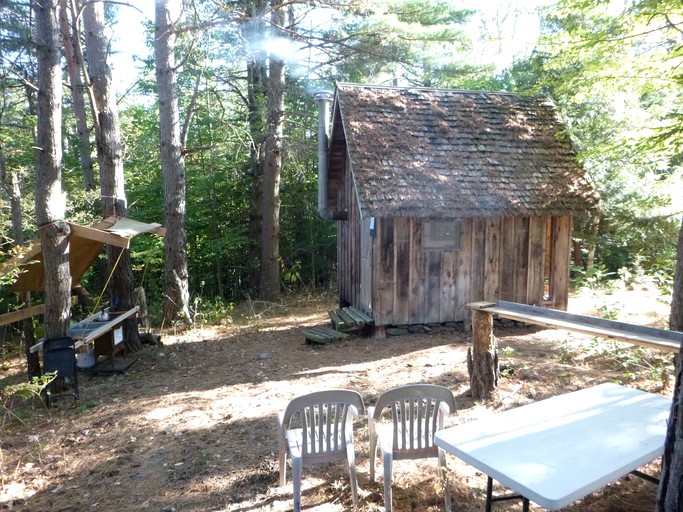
387	460
373	454
282	458
296	483
443	473
351	459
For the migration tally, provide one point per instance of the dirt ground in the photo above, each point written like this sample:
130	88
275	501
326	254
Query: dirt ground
191	425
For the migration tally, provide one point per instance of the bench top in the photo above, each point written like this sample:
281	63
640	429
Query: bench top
651	337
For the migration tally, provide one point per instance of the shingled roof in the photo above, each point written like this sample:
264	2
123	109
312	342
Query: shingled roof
436	153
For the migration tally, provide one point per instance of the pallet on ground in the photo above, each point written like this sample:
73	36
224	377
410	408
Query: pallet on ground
322	335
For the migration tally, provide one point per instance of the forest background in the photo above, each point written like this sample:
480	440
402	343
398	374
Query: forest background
612	67
217	139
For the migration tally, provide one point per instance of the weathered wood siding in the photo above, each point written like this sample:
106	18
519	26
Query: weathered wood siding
498	259
349	241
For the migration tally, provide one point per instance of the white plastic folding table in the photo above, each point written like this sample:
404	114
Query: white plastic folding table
556	451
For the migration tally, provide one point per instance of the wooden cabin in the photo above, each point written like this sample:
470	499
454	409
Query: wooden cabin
446	197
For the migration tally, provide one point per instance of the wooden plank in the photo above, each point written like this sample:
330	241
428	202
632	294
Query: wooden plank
385	227
537	227
508	260
521	269
561	262
611	329
433	287
100	236
401	271
463	273
366	241
365	318
447	300
492	260
315	338
338	323
417	274
323	335
478	260
346	318
22	314
358	319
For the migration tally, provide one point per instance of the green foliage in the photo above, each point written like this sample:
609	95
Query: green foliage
593	278
615	74
24	391
412	42
639	362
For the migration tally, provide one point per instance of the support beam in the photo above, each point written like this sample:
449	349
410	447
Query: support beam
482	357
22	314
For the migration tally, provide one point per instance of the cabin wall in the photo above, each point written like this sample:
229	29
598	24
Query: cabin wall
521	259
348	242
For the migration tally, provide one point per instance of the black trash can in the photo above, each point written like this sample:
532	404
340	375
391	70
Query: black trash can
59	356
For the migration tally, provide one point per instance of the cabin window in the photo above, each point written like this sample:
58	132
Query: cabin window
441	235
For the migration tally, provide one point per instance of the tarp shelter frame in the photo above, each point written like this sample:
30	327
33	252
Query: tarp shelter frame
86	244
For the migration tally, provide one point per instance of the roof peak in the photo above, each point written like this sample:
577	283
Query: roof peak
341	85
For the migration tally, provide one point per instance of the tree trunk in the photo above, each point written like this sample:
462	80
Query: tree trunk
577	257
74	63
254	33
670	495
592	244
482	357
176	296
676	316
49	198
109	158
270	237
12	189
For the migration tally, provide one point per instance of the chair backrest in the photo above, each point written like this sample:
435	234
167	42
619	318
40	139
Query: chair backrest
323	417
415	415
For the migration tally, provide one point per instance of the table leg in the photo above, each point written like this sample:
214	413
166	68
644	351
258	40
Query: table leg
490	498
489	494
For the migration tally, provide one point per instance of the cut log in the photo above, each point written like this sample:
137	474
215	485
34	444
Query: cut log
482	357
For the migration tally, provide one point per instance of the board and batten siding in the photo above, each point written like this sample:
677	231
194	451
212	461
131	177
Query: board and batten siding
498	259
349	243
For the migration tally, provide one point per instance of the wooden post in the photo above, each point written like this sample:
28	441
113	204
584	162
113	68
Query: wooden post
482	357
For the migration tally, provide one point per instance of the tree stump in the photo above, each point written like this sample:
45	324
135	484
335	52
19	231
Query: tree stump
482	357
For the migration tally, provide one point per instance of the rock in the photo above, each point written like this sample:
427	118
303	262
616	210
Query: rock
397	331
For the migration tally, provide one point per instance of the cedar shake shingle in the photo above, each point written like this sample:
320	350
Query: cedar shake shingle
436	153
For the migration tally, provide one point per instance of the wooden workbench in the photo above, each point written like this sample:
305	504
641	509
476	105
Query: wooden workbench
90	329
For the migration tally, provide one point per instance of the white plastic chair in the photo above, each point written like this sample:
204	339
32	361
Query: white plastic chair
416	412
318	428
